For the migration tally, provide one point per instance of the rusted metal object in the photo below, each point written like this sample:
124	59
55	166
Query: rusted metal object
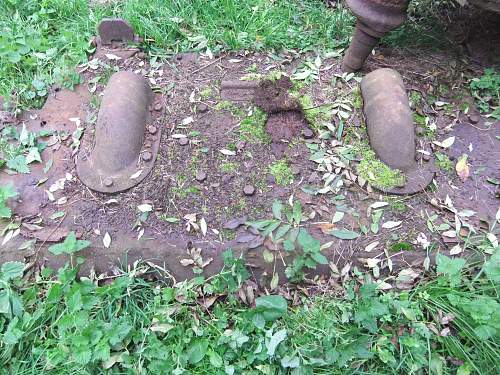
117	159
115	30
238	91
490	5
390	128
375	19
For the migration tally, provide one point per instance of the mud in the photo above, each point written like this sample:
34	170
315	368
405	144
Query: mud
182	86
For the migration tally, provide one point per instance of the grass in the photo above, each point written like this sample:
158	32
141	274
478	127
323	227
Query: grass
42	41
58	324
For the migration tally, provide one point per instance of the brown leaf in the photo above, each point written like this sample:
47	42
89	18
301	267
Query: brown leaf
462	168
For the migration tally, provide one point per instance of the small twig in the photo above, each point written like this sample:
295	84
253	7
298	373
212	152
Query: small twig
206	66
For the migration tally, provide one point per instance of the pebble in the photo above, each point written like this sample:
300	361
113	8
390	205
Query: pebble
419	130
249	190
183	141
474	118
158	106
202	107
200	176
426	157
152	129
147	156
307	133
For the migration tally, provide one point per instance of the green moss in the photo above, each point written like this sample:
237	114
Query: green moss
253	128
376	172
415	98
229	167
274	75
282	172
357	100
443	162
206	93
397	204
230	107
316	116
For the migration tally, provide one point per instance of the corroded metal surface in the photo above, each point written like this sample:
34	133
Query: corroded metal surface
375	18
238	91
390	128
115	30
491	5
123	151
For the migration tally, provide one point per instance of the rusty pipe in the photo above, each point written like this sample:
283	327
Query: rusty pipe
390	128
375	19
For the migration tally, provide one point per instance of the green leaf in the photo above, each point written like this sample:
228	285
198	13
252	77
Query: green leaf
196	352
11	270
297	212
277	207
319	258
18	164
215	359
276	339
308	242
449	266
271	307
492	268
282	231
70	245
344	234
260	224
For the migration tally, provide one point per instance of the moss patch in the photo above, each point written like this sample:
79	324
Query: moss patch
282	172
230	107
443	162
229	167
375	172
315	116
253	127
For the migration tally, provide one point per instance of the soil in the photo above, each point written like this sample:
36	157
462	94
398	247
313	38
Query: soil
184	84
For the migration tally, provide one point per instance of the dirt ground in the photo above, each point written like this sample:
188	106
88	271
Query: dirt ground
202	182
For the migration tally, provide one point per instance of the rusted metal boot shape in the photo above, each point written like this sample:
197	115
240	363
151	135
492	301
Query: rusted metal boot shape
375	19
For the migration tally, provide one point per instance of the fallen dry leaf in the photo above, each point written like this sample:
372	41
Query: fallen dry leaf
462	168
